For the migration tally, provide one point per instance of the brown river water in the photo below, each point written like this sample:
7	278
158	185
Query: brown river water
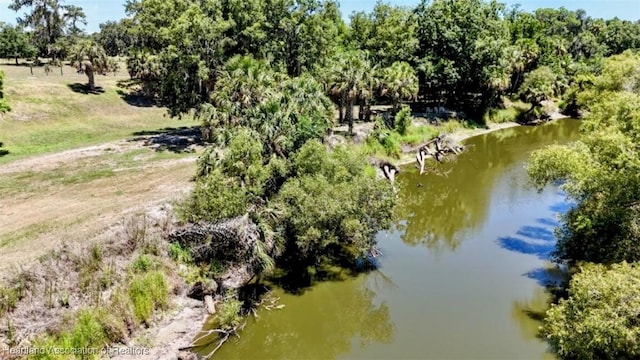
464	264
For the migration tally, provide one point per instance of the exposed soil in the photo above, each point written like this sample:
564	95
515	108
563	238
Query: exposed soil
175	331
32	224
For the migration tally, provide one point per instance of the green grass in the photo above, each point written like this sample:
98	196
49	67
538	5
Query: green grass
142	263
48	116
510	113
87	333
148	293
95	327
418	134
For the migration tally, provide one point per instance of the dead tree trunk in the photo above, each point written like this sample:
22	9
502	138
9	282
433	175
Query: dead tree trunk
88	70
349	114
437	148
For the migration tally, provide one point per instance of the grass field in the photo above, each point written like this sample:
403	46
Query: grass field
78	162
51	113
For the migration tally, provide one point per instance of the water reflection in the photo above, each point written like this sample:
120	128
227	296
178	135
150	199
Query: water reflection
437	211
330	319
531	240
475	299
528	313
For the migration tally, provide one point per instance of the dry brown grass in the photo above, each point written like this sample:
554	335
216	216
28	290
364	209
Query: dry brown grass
72	277
73	195
74	202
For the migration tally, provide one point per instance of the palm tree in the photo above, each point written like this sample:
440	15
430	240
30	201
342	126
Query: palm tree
91	58
522	57
400	83
244	83
144	69
299	111
348	78
307	99
371	82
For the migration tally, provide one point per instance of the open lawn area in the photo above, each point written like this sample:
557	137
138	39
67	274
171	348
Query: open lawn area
53	112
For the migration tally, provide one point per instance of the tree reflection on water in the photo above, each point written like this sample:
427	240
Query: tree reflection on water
333	317
436	211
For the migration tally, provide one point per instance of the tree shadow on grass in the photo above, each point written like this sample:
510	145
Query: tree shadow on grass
178	140
136	99
84	89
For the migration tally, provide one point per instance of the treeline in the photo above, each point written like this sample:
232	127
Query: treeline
53	28
599	237
49	29
465	54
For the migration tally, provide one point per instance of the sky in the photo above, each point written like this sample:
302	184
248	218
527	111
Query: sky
99	11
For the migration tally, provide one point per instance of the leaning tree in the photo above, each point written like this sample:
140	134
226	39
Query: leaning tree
90	57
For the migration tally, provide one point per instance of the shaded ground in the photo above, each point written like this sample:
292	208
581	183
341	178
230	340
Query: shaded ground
85	89
178	140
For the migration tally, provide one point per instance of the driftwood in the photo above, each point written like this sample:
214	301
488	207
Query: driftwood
438	149
227	241
223	336
231	243
389	170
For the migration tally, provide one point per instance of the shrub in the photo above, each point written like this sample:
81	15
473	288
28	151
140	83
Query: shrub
9	298
178	253
403	120
88	331
142	263
214	198
122	324
600	318
387	139
114	326
4	105
148	292
339	225
228	314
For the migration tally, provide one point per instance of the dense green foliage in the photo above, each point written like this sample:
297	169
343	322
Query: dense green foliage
115	37
309	204
599	320
389	33
49	22
600	172
463	46
538	86
332	205
466	54
14	43
4	104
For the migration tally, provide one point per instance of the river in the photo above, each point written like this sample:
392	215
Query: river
460	272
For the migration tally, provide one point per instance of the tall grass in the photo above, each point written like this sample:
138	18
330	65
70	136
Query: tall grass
95	327
148	293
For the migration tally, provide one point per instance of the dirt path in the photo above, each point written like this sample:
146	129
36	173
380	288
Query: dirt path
55	160
36	221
